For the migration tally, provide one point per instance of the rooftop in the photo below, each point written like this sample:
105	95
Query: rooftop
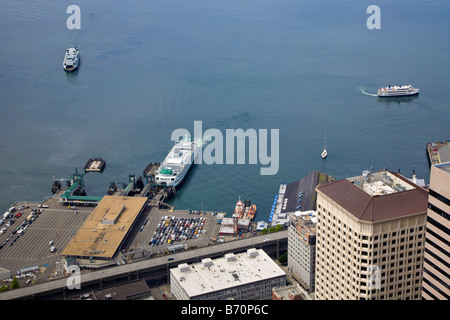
106	227
226	272
444	167
129	291
377	196
305	185
292	292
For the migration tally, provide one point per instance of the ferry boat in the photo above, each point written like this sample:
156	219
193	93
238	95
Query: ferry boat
398	91
71	59
177	163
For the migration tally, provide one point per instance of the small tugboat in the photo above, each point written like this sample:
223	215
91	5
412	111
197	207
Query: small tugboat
71	59
112	188
252	212
56	186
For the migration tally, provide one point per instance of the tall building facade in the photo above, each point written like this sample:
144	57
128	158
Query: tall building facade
370	238
436	272
302	247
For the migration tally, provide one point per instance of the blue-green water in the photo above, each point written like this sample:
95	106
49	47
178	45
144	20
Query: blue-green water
150	67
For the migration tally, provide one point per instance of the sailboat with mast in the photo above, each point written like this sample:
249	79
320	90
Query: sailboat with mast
325	152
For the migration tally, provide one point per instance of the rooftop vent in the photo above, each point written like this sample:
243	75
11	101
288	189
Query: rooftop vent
207	262
183	267
230	257
252	252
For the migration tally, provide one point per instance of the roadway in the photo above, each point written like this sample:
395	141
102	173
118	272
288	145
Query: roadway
108	274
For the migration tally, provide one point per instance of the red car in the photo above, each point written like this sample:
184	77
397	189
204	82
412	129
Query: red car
18	214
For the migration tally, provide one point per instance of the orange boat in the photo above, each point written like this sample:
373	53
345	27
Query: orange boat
252	212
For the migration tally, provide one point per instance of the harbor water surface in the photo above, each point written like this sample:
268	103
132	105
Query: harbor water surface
149	67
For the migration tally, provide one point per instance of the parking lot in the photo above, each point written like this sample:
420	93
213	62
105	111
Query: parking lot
161	229
26	235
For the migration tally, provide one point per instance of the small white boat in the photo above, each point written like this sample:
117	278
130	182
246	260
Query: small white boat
324	152
71	59
398	91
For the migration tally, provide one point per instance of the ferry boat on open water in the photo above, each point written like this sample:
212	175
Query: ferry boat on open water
398	91
71	59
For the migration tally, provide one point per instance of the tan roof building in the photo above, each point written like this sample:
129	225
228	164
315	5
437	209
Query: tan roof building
379	196
370	238
106	228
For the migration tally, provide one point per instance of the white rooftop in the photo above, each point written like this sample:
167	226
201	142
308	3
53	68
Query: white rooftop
380	183
226	272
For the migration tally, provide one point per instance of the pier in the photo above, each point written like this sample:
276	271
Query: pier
438	152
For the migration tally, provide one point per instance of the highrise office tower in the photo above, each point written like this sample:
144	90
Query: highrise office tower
436	270
370	238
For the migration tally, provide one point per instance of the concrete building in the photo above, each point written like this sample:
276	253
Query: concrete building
293	292
302	248
370	238
436	275
246	276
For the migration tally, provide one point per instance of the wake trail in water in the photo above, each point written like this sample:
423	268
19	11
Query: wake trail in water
363	90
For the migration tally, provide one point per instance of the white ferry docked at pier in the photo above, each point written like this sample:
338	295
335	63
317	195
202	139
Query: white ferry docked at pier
176	165
398	91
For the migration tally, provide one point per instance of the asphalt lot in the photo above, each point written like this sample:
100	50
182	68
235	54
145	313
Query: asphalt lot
142	235
57	224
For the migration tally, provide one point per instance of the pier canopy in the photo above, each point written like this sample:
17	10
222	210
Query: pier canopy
107	227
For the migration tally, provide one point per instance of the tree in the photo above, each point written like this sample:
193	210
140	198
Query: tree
283	258
14	283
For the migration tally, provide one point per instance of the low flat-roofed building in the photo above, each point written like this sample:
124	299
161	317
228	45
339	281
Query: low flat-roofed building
106	228
245	276
292	292
227	226
137	290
